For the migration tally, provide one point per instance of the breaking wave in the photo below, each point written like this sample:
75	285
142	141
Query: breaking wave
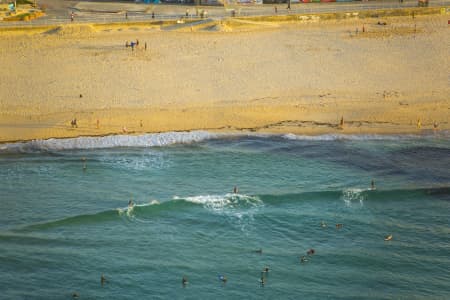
112	141
237	206
170	138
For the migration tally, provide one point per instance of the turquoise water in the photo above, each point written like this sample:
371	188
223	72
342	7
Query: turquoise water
63	226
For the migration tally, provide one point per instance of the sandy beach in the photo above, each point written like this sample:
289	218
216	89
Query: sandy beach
294	77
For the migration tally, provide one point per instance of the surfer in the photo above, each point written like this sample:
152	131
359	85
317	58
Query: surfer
372	185
388	238
339	225
130	203
235	190
323	224
184	281
311	251
103	279
262	280
223	278
259	251
303	259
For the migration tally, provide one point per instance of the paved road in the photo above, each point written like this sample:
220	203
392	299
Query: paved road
58	12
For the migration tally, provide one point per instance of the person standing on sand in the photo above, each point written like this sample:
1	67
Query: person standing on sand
72	15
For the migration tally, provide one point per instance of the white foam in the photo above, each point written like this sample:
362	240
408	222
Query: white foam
169	138
221	203
129	210
354	194
112	141
368	137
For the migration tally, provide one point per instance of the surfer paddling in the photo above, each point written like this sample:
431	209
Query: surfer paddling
184	281
103	280
388	237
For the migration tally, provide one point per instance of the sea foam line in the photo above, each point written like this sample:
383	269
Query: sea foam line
112	141
186	137
368	137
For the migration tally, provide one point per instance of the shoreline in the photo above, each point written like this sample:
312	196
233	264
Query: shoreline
179	137
299	77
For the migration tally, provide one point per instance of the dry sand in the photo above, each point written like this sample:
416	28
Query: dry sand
236	75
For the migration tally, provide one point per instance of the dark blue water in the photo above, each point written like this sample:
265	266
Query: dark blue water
65	219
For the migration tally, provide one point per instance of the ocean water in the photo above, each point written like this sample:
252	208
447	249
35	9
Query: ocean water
65	219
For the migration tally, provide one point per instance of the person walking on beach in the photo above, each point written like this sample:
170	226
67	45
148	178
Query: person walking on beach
72	15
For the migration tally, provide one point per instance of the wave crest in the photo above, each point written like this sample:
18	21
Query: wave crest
221	202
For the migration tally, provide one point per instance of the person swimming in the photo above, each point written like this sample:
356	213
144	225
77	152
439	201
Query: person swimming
311	251
323	224
223	278
259	251
265	270
84	163
339	225
103	279
303	259
184	281
388	237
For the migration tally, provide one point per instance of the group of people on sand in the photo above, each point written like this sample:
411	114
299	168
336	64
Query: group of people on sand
134	44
